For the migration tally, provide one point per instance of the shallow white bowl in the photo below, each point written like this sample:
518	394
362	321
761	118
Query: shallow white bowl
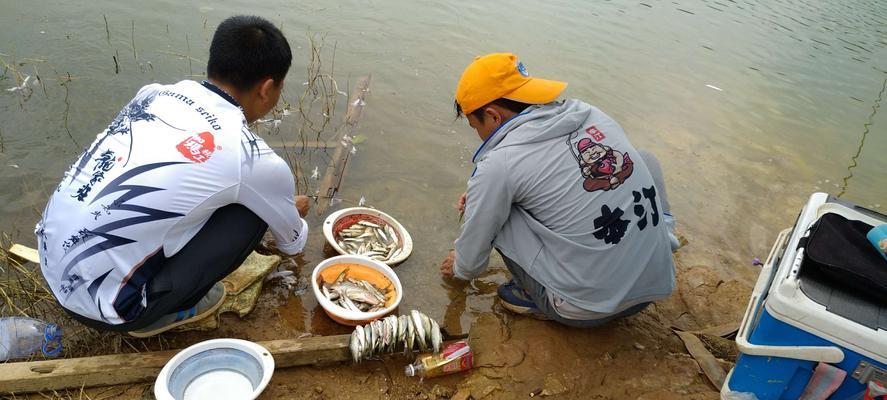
216	369
403	236
354	318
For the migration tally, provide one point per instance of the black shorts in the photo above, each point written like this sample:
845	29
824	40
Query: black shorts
221	245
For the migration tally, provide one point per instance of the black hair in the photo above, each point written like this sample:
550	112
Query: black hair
246	49
511	105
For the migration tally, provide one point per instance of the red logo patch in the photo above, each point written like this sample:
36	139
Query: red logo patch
198	148
595	133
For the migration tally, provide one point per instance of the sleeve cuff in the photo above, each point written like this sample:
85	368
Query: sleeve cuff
459	275
298	243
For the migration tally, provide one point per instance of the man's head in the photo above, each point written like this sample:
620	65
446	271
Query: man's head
249	57
495	87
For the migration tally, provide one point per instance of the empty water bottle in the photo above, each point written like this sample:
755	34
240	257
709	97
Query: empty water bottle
21	337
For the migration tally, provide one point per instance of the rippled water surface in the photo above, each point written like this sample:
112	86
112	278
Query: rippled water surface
750	105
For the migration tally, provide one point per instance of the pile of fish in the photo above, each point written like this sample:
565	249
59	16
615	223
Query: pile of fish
411	332
355	294
366	238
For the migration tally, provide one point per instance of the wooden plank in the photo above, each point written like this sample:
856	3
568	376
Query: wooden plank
707	362
298	144
118	369
725	330
335	172
25	253
37	376
319	350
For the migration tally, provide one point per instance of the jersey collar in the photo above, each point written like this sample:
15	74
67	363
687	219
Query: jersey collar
217	90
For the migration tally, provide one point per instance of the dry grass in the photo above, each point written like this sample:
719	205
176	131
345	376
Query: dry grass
315	108
23	292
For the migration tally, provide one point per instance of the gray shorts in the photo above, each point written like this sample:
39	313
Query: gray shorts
544	303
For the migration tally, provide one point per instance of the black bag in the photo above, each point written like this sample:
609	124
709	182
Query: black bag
838	248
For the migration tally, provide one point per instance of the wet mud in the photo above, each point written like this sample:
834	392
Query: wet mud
638	357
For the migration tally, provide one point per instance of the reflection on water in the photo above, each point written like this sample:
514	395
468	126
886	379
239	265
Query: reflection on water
750	105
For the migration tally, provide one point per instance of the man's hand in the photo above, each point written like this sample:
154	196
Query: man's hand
446	267
303	204
461	204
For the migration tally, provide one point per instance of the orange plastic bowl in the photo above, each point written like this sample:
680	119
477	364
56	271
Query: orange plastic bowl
359	267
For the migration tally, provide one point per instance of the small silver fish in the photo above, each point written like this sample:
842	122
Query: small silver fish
436	338
368	341
354	346
369	224
411	336
402	329
378	331
393	321
426	325
381	234
416	317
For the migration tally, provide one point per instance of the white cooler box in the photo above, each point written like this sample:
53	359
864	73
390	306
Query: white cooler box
795	320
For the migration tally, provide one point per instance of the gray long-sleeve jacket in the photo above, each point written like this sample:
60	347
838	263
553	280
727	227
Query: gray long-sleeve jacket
561	191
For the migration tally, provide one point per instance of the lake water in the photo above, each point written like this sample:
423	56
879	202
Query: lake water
750	105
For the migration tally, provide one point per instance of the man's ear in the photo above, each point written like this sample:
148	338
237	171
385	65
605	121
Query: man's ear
266	88
492	114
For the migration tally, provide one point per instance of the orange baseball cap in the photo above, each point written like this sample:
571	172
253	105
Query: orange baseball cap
502	75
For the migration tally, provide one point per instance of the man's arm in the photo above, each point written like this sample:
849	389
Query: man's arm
487	207
268	189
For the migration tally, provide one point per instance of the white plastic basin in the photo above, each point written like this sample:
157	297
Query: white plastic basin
218	369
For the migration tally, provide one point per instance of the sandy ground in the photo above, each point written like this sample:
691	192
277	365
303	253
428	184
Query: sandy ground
635	358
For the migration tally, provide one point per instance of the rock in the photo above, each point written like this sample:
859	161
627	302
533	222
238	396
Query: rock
318	389
553	386
441	392
488	391
462	394
267	245
639	346
720	347
493	373
301	286
480	386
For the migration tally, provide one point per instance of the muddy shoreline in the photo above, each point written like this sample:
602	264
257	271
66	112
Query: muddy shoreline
634	358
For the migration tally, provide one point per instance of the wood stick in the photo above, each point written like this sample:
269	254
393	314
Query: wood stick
118	369
707	362
335	172
298	144
25	253
725	330
37	376
107	31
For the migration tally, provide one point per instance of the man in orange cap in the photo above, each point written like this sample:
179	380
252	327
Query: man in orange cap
577	213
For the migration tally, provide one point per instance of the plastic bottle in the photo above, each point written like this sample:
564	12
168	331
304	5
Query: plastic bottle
454	357
878	237
21	337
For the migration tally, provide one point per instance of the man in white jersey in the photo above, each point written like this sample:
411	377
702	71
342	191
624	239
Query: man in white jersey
175	193
578	214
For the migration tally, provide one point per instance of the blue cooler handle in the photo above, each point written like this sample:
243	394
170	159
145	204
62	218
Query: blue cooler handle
826	354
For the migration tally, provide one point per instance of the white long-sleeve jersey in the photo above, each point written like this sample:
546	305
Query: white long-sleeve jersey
147	184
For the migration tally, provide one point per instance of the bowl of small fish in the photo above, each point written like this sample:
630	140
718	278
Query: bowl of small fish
354	290
368	232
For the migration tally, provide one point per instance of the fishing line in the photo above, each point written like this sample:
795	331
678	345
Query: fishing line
865	133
